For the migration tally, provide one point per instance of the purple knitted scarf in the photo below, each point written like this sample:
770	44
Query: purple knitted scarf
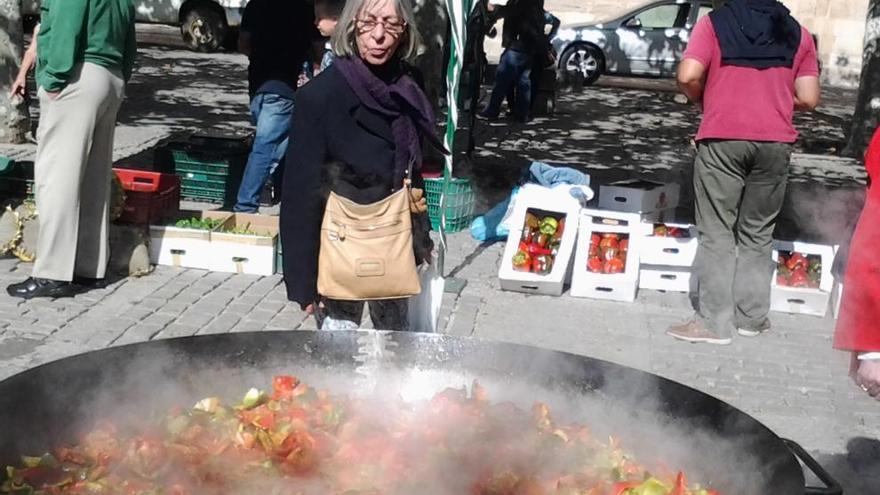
403	102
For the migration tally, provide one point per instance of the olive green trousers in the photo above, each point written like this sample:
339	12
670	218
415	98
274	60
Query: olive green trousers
739	188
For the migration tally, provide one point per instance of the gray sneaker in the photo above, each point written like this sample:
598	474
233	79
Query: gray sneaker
754	332
694	331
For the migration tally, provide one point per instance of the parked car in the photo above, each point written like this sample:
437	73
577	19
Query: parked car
648	40
205	25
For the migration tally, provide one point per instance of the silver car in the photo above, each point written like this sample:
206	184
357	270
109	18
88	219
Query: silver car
648	40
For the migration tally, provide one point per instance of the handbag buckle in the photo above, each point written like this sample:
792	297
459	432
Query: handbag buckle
339	234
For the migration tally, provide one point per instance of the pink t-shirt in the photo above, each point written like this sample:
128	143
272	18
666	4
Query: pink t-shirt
744	103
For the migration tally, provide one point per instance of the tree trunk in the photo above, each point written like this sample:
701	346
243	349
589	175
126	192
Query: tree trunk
13	114
867	111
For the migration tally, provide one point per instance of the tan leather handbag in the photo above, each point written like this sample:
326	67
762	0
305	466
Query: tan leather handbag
366	251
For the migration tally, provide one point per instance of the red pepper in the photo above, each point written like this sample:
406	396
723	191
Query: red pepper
797	260
680	485
622	487
283	385
533	249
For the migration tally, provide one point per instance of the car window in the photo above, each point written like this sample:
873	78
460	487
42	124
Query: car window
664	16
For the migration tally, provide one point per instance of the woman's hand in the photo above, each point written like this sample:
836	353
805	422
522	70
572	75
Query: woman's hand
866	374
310	308
418	203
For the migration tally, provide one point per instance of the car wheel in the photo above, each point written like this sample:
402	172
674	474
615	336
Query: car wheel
203	29
581	65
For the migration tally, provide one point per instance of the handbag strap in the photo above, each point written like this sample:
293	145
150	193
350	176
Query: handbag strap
409	170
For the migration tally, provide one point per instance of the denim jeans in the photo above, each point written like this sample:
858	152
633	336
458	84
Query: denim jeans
514	69
272	114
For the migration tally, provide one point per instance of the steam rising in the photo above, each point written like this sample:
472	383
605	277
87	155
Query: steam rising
623	407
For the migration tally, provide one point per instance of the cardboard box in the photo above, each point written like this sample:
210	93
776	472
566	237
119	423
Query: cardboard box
608	218
666	278
612	287
250	251
670	251
802	300
554	282
638	196
183	247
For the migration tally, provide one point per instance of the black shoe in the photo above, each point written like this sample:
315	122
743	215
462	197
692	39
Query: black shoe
41	287
89	283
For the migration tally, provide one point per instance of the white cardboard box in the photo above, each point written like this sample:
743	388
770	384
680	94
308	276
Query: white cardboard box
638	196
800	300
612	287
185	248
558	202
670	251
253	254
665	278
609	218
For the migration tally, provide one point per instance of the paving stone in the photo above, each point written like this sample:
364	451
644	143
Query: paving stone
195	318
220	325
174	308
177	330
141	332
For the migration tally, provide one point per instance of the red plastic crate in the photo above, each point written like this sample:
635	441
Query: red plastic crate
150	197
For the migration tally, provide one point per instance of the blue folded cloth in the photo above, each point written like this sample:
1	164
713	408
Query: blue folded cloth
549	175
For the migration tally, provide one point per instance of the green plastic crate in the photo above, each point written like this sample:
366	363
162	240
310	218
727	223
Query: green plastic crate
459	203
210	169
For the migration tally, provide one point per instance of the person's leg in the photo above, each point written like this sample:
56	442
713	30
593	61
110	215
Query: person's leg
340	315
390	314
67	136
762	201
719	179
524	87
92	250
505	76
273	114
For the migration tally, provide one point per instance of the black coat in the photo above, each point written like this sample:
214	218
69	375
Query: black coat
335	144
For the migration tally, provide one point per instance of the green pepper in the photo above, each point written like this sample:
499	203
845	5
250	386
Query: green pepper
549	225
542	264
651	486
815	267
253	398
522	261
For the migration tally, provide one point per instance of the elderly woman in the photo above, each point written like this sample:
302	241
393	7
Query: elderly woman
359	127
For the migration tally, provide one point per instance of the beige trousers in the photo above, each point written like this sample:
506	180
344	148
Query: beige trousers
72	174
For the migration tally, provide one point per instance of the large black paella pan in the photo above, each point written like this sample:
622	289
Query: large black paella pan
52	403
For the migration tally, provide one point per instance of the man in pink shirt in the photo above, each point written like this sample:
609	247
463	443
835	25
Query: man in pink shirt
749	65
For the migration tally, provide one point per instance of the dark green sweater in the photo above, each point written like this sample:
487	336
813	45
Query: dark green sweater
77	31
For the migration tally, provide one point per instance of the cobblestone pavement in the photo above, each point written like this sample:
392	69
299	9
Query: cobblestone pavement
790	379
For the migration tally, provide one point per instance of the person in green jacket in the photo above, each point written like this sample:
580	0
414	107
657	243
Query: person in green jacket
85	55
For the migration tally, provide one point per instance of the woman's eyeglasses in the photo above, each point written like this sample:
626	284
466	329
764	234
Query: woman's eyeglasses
393	27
